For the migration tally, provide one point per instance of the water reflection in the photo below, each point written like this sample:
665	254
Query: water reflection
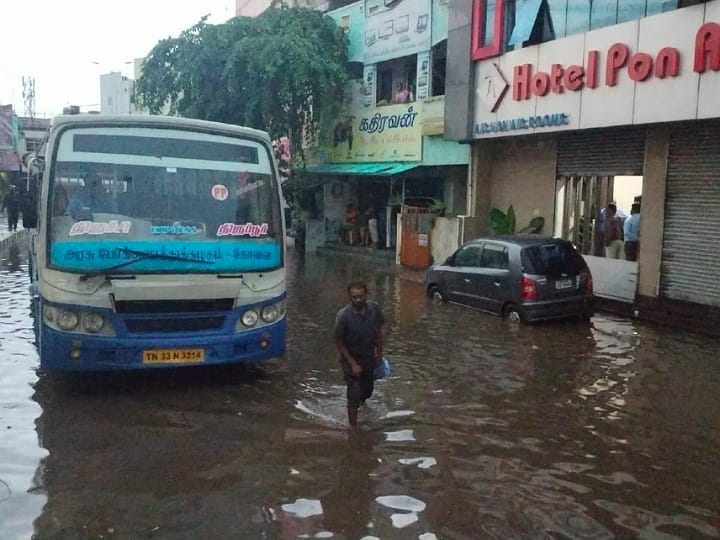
484	429
21	498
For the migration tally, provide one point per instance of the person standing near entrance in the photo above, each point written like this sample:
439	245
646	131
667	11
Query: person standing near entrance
631	229
11	202
612	233
359	340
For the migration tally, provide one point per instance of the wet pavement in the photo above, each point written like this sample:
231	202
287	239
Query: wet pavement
484	430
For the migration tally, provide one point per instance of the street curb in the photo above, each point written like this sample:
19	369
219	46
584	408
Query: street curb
13	238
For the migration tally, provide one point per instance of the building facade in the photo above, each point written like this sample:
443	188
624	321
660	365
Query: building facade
9	138
116	93
253	8
386	151
571	105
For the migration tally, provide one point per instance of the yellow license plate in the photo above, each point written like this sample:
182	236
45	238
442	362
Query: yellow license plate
173	356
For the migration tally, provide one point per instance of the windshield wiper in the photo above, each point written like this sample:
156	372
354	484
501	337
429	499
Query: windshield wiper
139	256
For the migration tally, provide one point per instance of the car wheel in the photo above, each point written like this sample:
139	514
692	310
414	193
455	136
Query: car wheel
512	314
436	294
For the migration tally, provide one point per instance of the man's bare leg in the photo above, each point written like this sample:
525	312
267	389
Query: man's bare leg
352	416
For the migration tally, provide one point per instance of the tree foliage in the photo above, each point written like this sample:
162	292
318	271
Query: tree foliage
278	72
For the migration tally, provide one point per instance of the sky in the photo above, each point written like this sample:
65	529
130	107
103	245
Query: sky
67	44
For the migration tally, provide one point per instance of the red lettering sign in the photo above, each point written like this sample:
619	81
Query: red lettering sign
667	63
707	48
617	57
639	67
619	61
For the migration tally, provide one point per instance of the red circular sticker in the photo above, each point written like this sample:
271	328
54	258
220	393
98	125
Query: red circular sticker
220	192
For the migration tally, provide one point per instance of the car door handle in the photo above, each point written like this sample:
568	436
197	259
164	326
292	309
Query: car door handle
497	283
467	280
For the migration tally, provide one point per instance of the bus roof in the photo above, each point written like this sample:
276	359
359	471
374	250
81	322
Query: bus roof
176	122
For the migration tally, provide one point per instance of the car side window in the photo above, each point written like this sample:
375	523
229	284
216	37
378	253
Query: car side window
467	256
494	256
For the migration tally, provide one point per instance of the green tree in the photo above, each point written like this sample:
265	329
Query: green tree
279	72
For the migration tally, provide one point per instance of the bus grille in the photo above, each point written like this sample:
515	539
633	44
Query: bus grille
174	306
185	324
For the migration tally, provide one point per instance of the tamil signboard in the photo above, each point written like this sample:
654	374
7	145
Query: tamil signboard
395	28
391	133
662	68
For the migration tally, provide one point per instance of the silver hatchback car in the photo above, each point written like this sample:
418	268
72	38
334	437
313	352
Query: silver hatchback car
523	278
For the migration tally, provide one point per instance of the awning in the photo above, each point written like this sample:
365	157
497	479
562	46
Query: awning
374	169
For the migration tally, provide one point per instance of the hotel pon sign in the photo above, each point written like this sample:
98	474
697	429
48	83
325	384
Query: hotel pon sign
661	68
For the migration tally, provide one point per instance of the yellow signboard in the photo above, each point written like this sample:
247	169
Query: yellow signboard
391	133
433	120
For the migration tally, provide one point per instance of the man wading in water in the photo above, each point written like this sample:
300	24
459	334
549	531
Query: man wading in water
358	336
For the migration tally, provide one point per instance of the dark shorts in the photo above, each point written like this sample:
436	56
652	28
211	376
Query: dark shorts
359	388
631	250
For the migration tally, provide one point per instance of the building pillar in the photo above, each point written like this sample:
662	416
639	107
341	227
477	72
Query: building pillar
479	192
652	211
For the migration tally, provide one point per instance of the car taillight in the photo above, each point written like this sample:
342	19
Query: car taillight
587	283
528	289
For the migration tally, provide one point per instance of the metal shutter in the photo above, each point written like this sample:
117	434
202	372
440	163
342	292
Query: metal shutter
607	152
691	242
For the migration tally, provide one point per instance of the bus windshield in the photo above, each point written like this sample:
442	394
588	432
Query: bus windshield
175	200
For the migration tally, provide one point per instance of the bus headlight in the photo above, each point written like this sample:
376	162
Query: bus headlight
48	313
93	322
269	314
67	320
250	318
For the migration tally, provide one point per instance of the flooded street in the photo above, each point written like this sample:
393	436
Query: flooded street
484	430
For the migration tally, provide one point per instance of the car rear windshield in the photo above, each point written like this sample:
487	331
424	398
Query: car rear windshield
552	260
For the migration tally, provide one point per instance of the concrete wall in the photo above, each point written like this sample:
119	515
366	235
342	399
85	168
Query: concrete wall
459	80
438	151
653	211
517	172
444	238
455	192
613	278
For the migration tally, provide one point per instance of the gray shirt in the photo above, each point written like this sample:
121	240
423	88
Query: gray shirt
358	330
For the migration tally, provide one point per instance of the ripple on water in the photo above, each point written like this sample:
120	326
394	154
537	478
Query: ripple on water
517	450
21	489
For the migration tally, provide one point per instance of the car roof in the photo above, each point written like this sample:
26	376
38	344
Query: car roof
522	240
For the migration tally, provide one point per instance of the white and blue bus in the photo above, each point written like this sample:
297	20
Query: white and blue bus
159	242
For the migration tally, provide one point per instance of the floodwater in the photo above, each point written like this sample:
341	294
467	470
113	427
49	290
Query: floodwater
484	430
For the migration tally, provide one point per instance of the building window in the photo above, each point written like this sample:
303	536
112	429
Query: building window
630	10
439	59
396	81
501	25
488	20
603	13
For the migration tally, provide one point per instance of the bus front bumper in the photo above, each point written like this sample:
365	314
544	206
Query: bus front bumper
81	352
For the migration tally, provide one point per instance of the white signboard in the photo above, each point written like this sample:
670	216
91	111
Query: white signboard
395	28
662	68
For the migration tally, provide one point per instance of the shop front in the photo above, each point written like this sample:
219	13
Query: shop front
623	117
381	161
